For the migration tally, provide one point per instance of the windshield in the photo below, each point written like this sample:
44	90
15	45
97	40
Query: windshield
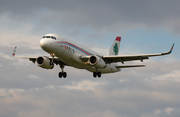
50	37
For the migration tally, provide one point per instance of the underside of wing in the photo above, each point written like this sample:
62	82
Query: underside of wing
122	59
56	60
128	66
85	58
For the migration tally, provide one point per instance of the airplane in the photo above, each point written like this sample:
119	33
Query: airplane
64	52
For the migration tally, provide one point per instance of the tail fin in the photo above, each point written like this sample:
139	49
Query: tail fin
115	47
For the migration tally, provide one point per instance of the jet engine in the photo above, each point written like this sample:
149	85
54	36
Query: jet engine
44	62
97	62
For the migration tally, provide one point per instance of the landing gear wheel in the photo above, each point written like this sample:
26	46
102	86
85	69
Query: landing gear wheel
64	74
94	74
60	74
99	74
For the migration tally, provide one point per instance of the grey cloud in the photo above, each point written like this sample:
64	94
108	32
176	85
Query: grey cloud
58	101
97	15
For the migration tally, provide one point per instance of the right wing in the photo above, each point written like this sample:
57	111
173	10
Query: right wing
33	59
56	60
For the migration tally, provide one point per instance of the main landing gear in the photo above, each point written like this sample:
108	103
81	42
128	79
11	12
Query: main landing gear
96	74
62	74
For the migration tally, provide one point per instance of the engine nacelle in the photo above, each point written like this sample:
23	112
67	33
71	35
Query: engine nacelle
44	62
97	62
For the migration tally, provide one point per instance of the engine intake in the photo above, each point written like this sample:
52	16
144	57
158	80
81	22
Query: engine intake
97	61
44	62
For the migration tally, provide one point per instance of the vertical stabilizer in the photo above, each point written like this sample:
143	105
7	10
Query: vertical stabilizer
115	47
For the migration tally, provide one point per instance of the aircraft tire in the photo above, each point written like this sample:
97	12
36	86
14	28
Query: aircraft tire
60	74
99	74
94	74
64	74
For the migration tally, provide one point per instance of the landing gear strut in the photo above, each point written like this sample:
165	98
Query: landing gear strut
62	74
52	55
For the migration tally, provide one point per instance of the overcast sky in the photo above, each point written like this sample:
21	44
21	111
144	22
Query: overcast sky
150	26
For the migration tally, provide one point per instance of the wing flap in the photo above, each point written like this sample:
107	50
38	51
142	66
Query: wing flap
123	59
128	66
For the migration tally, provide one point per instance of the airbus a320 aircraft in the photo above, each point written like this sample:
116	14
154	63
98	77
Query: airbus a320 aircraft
64	52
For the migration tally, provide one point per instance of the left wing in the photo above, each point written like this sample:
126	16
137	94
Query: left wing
128	66
124	58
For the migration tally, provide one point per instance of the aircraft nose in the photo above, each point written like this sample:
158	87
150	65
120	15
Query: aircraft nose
43	43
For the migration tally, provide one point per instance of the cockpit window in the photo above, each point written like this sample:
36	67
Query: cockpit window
50	37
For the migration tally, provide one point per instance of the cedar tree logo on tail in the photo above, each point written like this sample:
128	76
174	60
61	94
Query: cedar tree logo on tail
115	48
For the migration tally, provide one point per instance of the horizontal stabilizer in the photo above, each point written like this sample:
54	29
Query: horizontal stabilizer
128	66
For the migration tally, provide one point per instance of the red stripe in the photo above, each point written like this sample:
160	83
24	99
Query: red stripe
118	39
74	46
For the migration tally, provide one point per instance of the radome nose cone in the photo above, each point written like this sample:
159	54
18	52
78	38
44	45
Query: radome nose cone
46	44
43	43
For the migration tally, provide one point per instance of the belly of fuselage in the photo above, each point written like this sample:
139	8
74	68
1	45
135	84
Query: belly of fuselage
67	55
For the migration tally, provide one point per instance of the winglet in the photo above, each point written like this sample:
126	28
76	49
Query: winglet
169	51
172	48
14	52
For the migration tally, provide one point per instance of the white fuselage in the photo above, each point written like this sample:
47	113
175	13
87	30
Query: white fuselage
69	53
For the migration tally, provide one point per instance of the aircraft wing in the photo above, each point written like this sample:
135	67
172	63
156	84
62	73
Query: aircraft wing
124	58
56	60
33	59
